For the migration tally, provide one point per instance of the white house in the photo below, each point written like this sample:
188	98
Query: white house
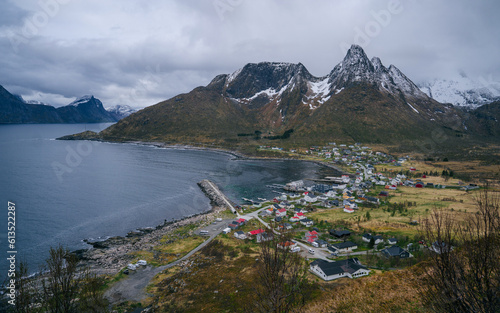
347	209
351	268
306	222
310	197
281	213
240	235
344	247
331	194
377	239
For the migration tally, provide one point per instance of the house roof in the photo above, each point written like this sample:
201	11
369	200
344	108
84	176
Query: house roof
393	251
287	244
240	232
282	210
334	268
312	232
256	232
241	220
340	233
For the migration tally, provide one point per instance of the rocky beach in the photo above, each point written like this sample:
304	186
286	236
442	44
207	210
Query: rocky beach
109	256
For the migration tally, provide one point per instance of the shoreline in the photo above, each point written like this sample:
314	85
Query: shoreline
236	154
108	257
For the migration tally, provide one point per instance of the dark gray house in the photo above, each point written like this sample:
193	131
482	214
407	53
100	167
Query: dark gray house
396	252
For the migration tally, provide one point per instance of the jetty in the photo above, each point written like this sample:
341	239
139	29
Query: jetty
215	195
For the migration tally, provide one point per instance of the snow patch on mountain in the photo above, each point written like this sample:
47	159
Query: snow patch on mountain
411	106
321	87
81	100
232	76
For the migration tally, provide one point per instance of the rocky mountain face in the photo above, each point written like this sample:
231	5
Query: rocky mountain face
14	110
360	100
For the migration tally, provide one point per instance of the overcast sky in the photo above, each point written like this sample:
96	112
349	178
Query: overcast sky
141	52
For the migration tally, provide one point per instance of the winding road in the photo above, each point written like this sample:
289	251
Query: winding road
133	287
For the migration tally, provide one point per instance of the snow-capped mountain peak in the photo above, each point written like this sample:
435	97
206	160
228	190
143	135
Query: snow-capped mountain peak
83	99
120	111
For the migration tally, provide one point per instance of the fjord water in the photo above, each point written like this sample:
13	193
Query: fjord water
66	191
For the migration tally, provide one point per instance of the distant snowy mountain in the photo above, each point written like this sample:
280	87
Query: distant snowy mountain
120	111
81	100
463	91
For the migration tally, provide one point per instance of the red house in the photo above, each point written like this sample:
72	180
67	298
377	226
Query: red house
256	232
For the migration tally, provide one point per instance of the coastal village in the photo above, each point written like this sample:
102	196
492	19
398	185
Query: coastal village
290	209
359	223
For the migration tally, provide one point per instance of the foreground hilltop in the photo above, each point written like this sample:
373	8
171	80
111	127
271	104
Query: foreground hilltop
359	100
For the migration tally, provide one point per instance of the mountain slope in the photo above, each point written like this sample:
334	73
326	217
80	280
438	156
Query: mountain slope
14	110
201	115
485	120
359	100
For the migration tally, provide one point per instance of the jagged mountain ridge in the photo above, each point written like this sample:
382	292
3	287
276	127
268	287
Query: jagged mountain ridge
359	100
14	110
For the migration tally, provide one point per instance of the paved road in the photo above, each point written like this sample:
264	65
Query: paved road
132	288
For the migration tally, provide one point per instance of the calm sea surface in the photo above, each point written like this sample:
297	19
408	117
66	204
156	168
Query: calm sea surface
66	191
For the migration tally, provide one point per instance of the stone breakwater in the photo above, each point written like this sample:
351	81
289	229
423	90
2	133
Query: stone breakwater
109	256
212	192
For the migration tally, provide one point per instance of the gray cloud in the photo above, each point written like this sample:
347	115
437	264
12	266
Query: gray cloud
139	53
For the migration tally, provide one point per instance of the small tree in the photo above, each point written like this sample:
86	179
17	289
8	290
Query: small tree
281	275
371	244
60	288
